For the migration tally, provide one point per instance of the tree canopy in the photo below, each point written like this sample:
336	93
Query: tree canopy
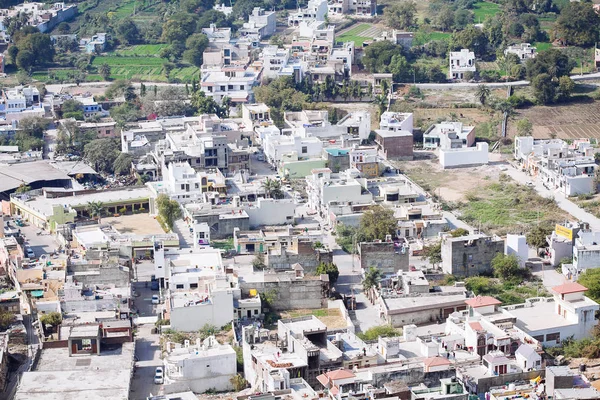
578	24
102	153
376	223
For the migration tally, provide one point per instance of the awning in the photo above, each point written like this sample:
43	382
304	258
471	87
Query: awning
37	293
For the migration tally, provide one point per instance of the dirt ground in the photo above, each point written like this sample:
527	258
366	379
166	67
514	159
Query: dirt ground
329	316
137	224
572	121
452	184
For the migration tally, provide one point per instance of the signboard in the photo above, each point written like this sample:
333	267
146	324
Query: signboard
564	232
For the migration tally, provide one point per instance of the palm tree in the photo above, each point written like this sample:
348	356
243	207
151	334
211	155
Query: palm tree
381	103
95	209
267	185
104	71
372	277
483	92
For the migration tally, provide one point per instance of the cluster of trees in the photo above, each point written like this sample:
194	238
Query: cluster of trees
386	57
169	211
31	48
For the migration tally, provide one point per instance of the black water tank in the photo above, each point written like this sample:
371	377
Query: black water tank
582	367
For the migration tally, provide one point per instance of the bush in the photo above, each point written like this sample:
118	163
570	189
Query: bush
53	318
380	331
519	101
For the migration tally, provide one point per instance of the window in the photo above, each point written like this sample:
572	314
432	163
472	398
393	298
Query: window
553	337
230	87
242	87
196	185
86	344
193	286
179	286
182	186
222	88
255	312
304	149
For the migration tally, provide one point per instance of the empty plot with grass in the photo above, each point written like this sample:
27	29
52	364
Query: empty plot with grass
483	9
142	50
359	34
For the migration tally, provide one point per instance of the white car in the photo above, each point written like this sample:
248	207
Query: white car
155	299
29	253
159	377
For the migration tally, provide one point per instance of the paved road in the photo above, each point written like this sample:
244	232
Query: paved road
563	202
147	345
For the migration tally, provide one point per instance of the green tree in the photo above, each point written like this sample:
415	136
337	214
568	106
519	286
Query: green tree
40	46
238	382
433	253
544	89
329	269
63	28
537	236
206	331
524	127
95	209
471	38
168	210
23	188
479	285
72	109
378	56
258	262
195	46
507	267
578	24
552	62
122	165
178	28
25	60
104	71
376	332
33	126
102	153
372	278
445	18
124	113
272	188
458	232
13	51
591	280
381	101
6	319
483	93
566	86
52	318
206	105
401	15
376	223
127	31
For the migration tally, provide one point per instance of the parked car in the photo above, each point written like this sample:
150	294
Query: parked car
155	299
159	377
154	285
29	253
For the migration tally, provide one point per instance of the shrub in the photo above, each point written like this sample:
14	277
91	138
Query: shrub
380	331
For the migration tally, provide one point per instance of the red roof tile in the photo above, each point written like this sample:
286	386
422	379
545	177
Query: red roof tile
482	301
476	326
571	287
323	380
436	361
340	374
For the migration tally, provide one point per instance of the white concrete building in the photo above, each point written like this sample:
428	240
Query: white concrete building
393	121
274	60
236	83
569	168
261	24
551	320
276	146
315	11
315	123
261	213
528	358
586	251
20	98
324	188
461	62
255	115
464	157
200	367
181	183
523	50
517	245
449	135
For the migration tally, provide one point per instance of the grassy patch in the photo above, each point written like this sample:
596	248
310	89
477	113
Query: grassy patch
483	9
541	46
505	207
142	50
508	293
384	331
354	35
422	38
226	244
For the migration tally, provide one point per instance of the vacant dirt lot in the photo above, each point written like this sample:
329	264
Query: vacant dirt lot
137	224
573	121
451	185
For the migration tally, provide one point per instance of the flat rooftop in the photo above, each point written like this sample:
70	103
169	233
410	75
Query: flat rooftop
304	324
60	377
541	316
390	134
400	305
136	224
44	205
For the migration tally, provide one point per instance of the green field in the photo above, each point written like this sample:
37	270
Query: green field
542	46
141	50
483	9
353	35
